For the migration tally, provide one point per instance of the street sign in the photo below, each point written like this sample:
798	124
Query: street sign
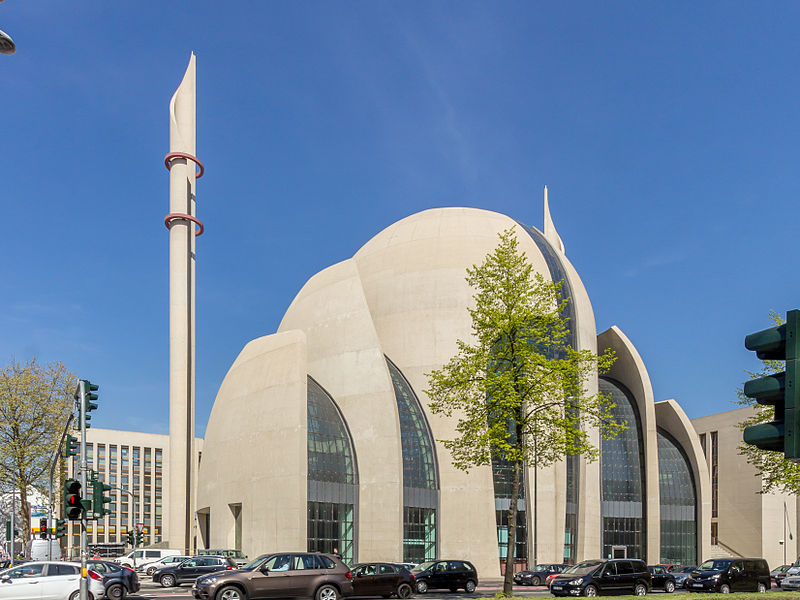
140	527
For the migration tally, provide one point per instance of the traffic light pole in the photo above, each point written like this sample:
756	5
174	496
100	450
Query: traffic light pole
56	455
84	587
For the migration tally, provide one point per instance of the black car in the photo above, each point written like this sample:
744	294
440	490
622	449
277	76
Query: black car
538	574
119	581
191	569
445	575
595	577
662	579
681	575
382	579
727	575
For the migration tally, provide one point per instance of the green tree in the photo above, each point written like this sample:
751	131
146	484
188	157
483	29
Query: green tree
519	387
777	473
35	401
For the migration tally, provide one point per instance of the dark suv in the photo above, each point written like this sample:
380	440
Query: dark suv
119	581
595	577
282	575
191	569
730	575
445	574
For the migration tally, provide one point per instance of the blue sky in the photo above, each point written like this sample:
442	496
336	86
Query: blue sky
667	134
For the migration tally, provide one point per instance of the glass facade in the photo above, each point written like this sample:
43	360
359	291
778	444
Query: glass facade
714	474
622	477
678	503
420	475
332	477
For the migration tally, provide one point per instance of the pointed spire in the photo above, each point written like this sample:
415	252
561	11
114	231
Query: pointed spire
550	233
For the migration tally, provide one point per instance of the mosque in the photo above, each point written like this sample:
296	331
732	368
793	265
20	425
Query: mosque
320	437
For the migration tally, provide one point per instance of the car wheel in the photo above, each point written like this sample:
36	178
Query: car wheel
422	587
327	592
469	587
150	571
404	591
761	588
76	595
116	591
669	587
724	589
590	591
167	580
640	589
536	581
231	593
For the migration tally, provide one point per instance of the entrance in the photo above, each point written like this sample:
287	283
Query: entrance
619	552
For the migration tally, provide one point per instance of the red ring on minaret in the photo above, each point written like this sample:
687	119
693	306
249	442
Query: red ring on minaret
173	155
183	217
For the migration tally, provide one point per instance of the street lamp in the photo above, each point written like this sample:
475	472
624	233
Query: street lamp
7	45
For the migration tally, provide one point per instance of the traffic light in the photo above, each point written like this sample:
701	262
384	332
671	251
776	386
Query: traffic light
72	448
99	499
43	529
88	399
139	538
61	528
131	537
74	504
781	390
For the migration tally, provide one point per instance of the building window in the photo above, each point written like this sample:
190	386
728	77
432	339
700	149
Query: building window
703	444
714	474
622	477
521	534
678	503
420	475
332	477
714	533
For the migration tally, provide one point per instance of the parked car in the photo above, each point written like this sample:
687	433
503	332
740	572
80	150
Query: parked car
382	579
239	557
298	574
777	574
727	575
445	574
595	577
670	566
169	561
790	583
550	578
662	579
137	559
681	575
118	581
191	569
537	575
55	580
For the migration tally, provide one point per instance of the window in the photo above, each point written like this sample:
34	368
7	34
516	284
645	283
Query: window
714	474
624	568
56	569
26	571
622	476
703	444
387	569
419	534
678	503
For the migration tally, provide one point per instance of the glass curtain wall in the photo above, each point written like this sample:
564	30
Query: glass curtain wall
622	477
420	474
678	503
332	477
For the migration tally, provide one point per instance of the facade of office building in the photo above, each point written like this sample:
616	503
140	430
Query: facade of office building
744	521
340	451
138	463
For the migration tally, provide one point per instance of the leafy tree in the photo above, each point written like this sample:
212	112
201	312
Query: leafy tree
519	387
778	474
35	401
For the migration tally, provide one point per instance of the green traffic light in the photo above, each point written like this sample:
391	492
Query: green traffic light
72	446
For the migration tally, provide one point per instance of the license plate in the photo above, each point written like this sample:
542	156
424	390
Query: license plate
557	587
697	585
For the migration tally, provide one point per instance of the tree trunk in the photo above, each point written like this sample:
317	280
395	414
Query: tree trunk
508	581
25	515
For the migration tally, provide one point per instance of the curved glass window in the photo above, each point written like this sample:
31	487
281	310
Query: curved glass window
332	477
678	503
420	476
622	477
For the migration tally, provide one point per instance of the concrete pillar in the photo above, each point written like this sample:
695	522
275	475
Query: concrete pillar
181	315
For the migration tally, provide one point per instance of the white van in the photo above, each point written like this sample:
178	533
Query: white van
137	558
36	549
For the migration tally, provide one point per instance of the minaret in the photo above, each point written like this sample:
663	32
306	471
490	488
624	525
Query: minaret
550	232
181	222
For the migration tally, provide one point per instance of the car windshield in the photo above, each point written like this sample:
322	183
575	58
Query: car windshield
715	565
539	568
687	569
254	564
584	567
422	566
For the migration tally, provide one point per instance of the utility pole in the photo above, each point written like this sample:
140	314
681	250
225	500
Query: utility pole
84	585
13	510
